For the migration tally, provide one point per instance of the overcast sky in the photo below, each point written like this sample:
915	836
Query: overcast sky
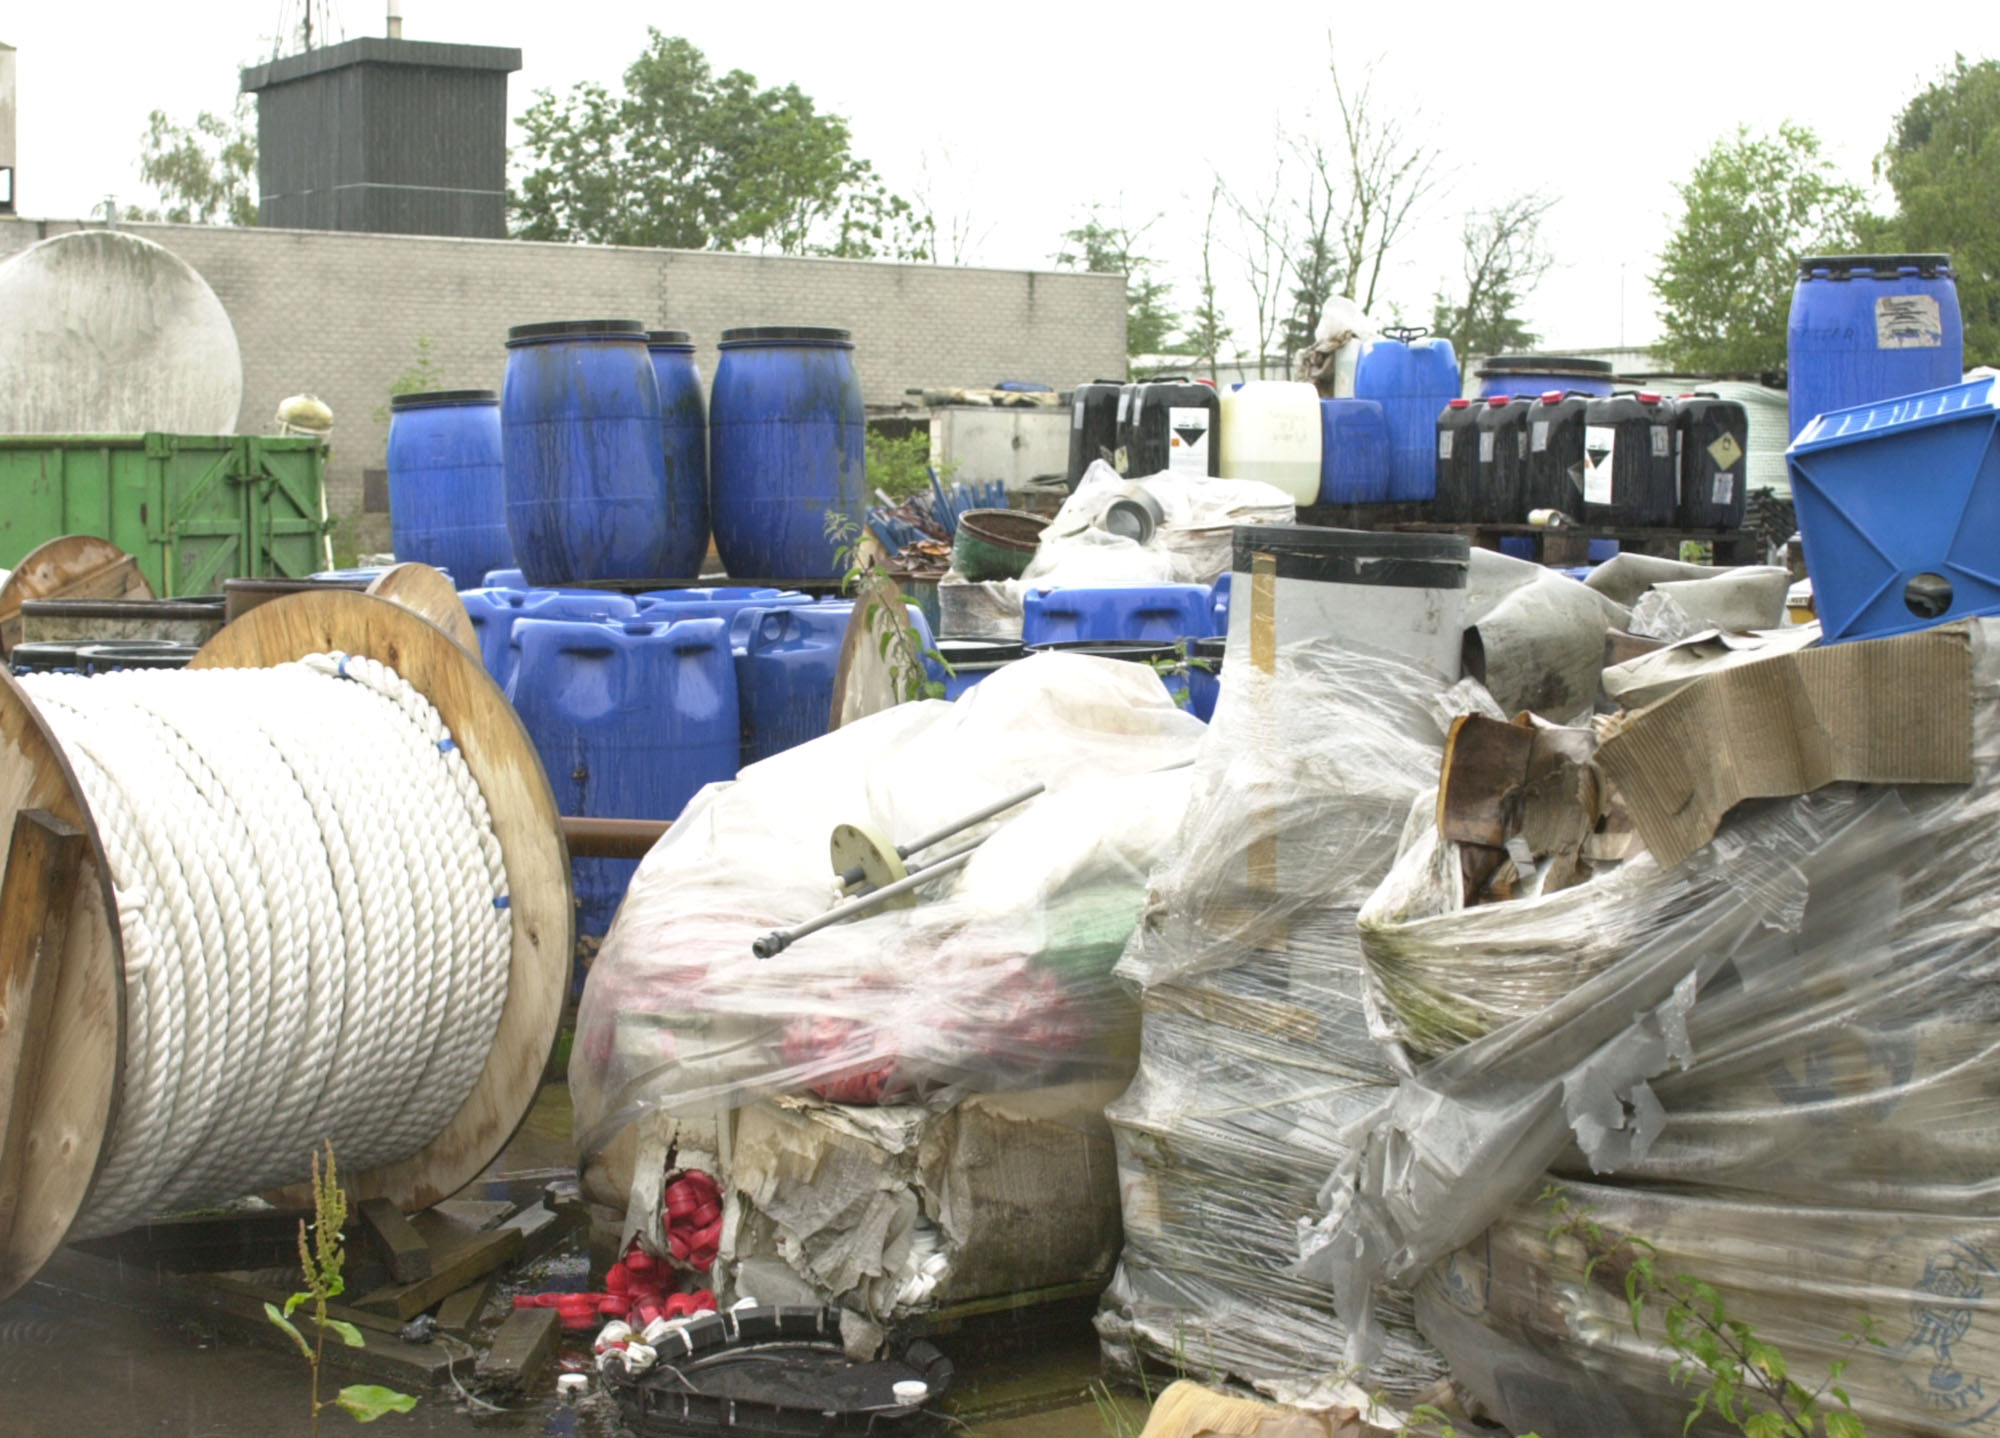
1020	116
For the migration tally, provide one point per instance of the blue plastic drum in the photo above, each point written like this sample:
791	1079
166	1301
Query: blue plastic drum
447	485
785	428
587	494
1870	327
683	418
1354	452
1412	379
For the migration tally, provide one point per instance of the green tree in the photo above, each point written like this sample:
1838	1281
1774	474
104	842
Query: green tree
1943	162
1111	247
1503	260
688	159
205	172
1753	205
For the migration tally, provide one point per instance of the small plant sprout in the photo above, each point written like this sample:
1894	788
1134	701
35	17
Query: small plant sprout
321	1258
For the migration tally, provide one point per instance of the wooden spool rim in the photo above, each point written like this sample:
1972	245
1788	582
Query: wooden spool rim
56	567
425	591
71	1123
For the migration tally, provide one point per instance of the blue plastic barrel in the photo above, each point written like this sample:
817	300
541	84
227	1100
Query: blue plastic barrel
1113	613
1538	374
785	425
1870	327
1204	677
719	602
503	579
494	611
447	486
683	419
1218	605
1899	509
1412	379
587	494
785	663
630	720
1518	546
1354	452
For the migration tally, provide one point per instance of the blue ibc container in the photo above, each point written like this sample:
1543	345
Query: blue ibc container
785	426
447	486
494	611
1412	379
723	602
1899	508
587	494
1870	327
1116	612
630	719
1354	452
785	663
683	419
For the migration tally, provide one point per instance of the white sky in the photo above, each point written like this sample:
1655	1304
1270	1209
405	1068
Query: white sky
1024	114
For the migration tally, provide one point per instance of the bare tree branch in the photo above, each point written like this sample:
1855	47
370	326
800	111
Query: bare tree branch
1389	175
1264	248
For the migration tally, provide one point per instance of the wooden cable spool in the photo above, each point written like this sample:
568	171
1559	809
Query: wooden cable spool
62	996
72	566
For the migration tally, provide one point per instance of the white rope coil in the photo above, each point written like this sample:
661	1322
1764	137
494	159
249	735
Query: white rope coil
315	920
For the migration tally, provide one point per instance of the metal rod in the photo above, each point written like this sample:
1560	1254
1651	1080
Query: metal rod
978	816
611	838
778	941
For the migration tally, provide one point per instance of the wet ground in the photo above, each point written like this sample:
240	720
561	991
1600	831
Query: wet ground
80	1358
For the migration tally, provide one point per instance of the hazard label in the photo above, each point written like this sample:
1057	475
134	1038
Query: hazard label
1908	322
1725	452
1600	443
1187	439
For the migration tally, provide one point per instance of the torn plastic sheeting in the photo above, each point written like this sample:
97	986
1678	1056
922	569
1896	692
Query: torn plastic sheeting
1896	710
1540	647
1190	546
1002	981
1627	575
1651	677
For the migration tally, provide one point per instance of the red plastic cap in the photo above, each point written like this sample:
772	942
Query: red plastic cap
1689	395
1500	401
1458	404
1209	382
1647	397
1551	396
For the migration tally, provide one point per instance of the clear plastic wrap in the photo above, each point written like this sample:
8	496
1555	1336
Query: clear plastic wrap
1255	1055
1191	545
1778	1061
1000	981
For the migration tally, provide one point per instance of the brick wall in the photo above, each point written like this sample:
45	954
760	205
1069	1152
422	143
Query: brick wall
339	315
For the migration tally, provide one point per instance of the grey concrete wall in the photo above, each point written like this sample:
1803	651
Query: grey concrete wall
339	315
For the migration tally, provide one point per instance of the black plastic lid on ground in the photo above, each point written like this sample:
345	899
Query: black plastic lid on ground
659	339
442	396
1543	364
136	654
787	334
572	329
44	656
1356	556
1840	267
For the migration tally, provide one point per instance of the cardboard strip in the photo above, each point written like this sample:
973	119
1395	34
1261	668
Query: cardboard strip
1881	711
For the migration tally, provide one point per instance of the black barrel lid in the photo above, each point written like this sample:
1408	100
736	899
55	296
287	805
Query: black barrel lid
1141	651
1842	267
137	654
1500	365
661	339
1212	649
787	334
1356	556
442	396
568	329
961	652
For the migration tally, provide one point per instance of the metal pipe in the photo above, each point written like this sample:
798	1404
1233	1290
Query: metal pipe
978	816
611	838
778	941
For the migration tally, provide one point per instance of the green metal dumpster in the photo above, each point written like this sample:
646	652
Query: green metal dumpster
193	510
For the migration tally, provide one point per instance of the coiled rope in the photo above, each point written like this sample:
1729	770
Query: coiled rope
315	920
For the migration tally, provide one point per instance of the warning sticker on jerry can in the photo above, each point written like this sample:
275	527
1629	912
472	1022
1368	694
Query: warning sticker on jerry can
1725	451
1908	322
1600	441
1187	438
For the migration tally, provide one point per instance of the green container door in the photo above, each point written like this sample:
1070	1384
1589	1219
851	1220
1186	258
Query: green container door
193	510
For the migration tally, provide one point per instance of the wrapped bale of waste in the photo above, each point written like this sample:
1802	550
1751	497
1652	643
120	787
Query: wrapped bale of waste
1255	1055
1776	1060
997	983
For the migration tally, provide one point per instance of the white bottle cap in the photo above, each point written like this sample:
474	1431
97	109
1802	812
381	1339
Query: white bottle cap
573	1385
911	1391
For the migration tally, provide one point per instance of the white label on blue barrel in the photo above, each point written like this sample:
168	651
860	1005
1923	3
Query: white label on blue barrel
1663	441
1600	441
1908	322
1539	440
1486	446
1187	438
1444	444
1725	488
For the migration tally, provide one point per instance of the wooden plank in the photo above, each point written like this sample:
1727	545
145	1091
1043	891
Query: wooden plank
509	773
449	1273
521	1350
458	1313
405	1250
266	1239
36	896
